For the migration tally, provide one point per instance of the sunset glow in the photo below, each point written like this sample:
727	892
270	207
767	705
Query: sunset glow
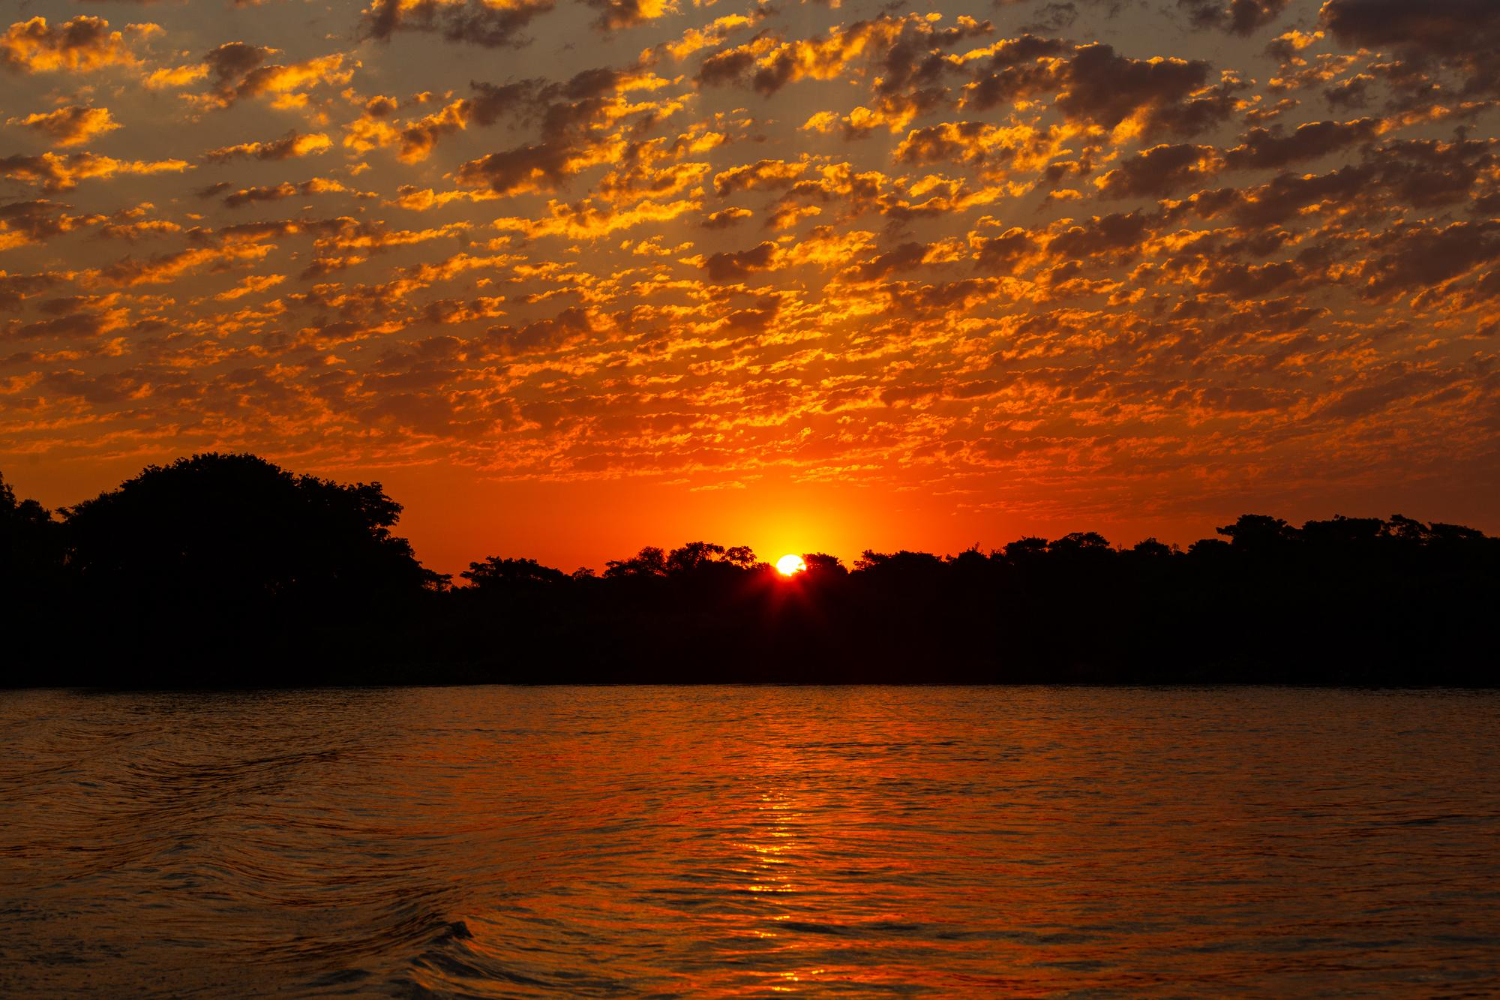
570	278
789	565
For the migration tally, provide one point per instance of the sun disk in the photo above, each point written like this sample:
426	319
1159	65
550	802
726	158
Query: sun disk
787	565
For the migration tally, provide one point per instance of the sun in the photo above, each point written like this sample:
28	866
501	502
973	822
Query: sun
789	565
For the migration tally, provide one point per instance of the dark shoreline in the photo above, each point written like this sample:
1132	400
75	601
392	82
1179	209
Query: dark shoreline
451	676
225	571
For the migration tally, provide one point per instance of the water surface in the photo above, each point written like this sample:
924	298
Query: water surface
750	842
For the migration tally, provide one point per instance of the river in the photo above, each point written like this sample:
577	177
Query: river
750	842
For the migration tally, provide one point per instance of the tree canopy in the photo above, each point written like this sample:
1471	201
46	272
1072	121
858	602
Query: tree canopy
237	531
230	569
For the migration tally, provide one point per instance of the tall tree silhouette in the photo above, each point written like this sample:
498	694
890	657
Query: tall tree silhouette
234	536
31	548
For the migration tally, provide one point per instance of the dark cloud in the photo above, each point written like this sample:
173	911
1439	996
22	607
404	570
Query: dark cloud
1003	254
1263	149
1104	235
615	14
77	326
902	258
471	22
568	114
546	334
1418	258
1015	70
277	192
734	265
905	53
1422	173
725	218
1053	17
1160	171
238	71
1240	17
1096	84
37	221
725	67
17	288
1458	35
1106	88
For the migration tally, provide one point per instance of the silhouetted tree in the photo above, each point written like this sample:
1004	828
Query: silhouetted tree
1078	541
1344	532
692	557
1026	548
1259	533
740	555
650	561
1152	549
820	566
496	574
234	537
903	563
220	554
31	550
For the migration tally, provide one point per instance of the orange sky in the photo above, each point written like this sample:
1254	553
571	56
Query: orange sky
574	277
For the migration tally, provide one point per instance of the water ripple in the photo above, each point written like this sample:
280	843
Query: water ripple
750	842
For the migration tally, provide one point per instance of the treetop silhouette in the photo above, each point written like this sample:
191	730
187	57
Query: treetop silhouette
225	568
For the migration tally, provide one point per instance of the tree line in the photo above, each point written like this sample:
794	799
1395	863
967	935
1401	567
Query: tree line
224	569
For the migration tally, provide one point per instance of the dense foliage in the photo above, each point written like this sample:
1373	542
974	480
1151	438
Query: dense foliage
224	569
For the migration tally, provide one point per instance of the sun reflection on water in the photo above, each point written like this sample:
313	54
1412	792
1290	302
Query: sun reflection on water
547	843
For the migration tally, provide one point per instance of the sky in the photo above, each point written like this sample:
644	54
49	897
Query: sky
570	277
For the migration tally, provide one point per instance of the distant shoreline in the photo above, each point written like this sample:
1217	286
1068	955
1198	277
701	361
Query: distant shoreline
225	571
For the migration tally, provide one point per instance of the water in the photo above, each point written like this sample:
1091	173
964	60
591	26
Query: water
750	842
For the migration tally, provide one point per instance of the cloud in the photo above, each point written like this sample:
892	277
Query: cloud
1239	17
1022	272
902	258
69	126
763	174
289	146
251	285
1160	171
27	222
999	150
724	218
56	172
695	39
615	14
162	269
904	51
1462	33
576	119
1168	94
1003	254
1420	258
735	265
585	221
81	45
238	71
488	23
277	192
419	137
569	326
1262	149
1095	84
